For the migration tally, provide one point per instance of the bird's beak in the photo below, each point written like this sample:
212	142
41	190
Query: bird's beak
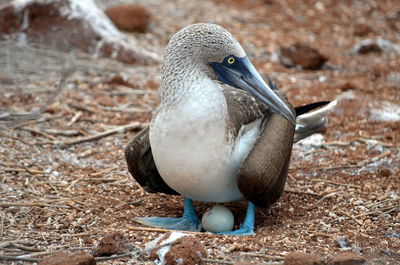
242	74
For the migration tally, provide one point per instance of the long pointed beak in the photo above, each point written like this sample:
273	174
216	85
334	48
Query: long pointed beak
243	75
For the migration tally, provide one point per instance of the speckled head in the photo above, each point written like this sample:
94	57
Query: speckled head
204	41
199	45
201	51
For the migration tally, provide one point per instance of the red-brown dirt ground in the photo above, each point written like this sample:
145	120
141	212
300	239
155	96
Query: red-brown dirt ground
342	193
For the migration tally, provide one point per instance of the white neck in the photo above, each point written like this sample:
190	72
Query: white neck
192	93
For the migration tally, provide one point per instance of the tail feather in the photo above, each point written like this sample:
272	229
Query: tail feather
306	108
309	122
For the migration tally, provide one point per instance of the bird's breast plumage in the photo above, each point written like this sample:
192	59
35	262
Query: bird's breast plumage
194	151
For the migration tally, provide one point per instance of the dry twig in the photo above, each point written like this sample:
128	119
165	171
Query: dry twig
151	229
301	192
7	244
28	204
10	258
15	138
46	119
382	210
35	254
217	261
25	169
337	183
121	129
261	255
120	256
352	217
74	118
34	131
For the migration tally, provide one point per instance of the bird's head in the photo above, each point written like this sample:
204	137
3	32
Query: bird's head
217	53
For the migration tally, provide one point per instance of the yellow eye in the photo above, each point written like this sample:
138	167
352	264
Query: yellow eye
231	60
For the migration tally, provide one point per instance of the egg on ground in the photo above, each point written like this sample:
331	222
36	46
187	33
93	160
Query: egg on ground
217	219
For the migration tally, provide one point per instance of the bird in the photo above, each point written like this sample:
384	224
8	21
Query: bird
220	134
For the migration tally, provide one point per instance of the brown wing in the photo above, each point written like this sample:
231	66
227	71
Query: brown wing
243	108
141	164
263	173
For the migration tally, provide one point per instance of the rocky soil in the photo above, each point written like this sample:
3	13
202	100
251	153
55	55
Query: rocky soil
64	182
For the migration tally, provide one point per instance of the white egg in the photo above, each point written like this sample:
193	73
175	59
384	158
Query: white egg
217	219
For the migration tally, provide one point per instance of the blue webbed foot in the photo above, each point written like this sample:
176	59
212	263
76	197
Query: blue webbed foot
247	228
188	222
170	223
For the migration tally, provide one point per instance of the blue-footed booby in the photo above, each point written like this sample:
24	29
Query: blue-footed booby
220	134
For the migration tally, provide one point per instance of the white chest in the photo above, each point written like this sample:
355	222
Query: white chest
191	152
191	148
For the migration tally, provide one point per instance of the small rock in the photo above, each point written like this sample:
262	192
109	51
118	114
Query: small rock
70	23
378	45
346	258
394	15
69	258
312	142
369	48
301	258
188	251
347	86
361	105
361	29
302	55
129	17
110	244
342	242
385	172
184	249
120	80
392	234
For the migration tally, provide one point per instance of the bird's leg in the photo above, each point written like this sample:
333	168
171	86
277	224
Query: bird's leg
188	222
247	228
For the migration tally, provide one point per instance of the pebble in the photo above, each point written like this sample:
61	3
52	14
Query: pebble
129	17
110	244
301	258
303	56
93	32
372	45
69	258
347	258
361	29
187	250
